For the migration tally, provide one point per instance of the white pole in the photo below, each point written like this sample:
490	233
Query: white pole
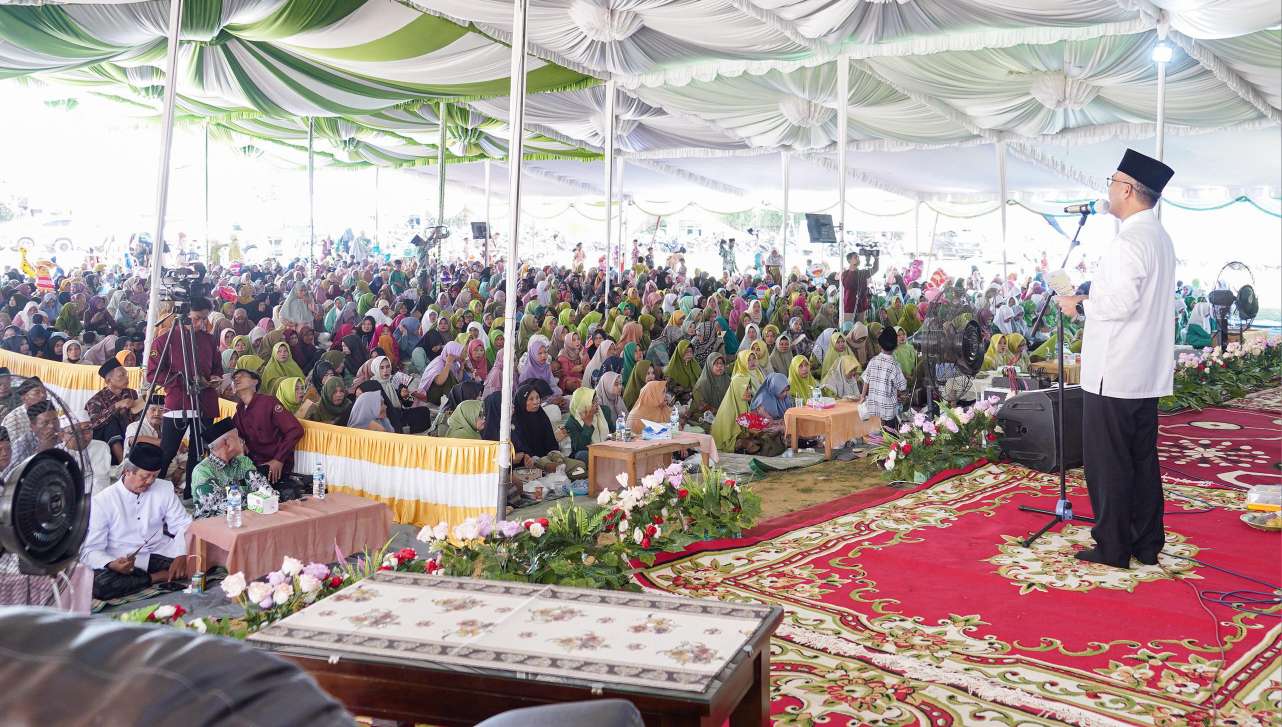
916	228
1161	119
162	180
609	182
785	167
440	188
207	246
843	128
486	245
376	199
622	243
516	148
311	187
1001	197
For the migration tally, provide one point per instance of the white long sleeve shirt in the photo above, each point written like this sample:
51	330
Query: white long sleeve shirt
120	522
1127	351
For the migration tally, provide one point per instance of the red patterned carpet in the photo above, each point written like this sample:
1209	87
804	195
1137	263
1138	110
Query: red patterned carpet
1269	400
922	608
1238	447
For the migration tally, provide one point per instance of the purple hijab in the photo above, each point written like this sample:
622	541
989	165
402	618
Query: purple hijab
535	370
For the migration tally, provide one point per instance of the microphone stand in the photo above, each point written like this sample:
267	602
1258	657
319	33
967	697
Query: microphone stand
1063	511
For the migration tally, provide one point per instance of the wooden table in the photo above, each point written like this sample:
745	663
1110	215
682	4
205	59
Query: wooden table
841	423
1073	372
628	454
455	651
307	529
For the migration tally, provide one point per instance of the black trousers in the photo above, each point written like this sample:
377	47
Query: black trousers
108	584
172	430
1119	446
112	430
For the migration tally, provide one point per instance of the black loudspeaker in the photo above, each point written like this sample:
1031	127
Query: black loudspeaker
820	229
480	231
1028	428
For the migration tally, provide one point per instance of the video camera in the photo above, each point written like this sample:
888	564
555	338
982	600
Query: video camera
869	251
180	285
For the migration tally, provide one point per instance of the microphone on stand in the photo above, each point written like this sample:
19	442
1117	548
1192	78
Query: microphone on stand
1094	207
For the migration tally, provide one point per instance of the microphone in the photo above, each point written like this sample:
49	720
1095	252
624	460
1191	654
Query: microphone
1094	207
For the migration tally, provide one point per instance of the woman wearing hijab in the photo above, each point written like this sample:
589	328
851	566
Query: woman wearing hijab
476	362
652	405
369	412
858	341
801	379
302	346
642	374
657	354
726	431
604	352
494	381
905	353
574	362
334	407
682	372
280	366
837	348
441	375
709	389
291	392
629	357
586	425
71	352
68	319
355	354
609	396
533	437
771	400
537	366
842	379
466	421
781	358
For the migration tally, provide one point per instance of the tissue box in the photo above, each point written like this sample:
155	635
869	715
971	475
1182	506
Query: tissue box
263	504
655	430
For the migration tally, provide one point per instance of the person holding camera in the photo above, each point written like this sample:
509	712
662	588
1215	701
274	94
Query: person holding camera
167	361
855	282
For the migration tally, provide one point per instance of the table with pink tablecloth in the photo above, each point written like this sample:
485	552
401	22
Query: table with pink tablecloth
640	457
308	529
837	424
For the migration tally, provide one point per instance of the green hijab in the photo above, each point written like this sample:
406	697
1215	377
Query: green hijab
630	357
906	355
635	382
325	411
679	371
799	385
275	371
725	428
710	389
364	303
462	421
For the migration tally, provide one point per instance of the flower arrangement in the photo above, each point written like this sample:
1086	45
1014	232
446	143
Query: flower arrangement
668	510
955	438
289	588
1212	376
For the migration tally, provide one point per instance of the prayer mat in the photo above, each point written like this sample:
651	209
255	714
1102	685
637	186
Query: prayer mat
1269	400
923	608
212	578
745	465
1235	447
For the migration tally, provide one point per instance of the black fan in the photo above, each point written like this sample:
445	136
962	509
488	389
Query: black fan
44	512
1234	300
944	343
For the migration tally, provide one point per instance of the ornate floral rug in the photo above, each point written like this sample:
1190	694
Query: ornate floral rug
1237	447
923	608
1269	400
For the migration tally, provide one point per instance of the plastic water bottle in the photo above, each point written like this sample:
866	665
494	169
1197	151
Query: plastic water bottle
318	481
674	422
620	428
234	505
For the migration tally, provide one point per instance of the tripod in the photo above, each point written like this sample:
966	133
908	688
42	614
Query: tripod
1063	511
187	377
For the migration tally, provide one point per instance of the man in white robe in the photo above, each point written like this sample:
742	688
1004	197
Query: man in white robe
137	529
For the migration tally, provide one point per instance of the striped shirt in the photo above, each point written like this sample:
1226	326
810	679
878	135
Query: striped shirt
885	380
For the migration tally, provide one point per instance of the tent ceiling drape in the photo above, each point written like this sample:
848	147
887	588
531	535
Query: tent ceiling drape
711	90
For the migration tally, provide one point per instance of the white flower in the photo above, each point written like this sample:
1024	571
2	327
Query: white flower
198	625
291	566
164	613
657	531
652	480
664	513
622	479
389	560
890	464
234	585
537	530
283	593
258	591
469	529
623	526
638	536
604	498
441	531
308	584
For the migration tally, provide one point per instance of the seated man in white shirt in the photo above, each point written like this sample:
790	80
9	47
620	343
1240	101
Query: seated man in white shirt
77	438
137	529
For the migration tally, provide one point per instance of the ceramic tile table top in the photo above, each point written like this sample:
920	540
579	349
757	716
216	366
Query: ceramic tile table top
667	647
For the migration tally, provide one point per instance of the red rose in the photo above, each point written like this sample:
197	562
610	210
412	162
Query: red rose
682	493
526	524
543	521
991	437
927	442
658	519
736	508
178	612
1201	367
405	554
650	530
908	448
645	542
335	581
385	567
431	566
731	483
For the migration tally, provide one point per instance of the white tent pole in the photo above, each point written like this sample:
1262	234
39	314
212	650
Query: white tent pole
1001	196
485	246
311	187
843	127
162	177
207	246
440	185
610	95
784	164
376	200
516	150
916	228
622	163
1161	118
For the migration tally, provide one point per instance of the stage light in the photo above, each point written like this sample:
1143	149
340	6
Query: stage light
1162	52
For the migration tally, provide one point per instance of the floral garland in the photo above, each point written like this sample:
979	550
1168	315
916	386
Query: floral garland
666	511
1212	376
956	438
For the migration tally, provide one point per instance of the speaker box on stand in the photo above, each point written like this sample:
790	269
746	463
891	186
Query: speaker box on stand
1028	429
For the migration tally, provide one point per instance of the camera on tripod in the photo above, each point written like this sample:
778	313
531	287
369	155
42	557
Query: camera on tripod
180	285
